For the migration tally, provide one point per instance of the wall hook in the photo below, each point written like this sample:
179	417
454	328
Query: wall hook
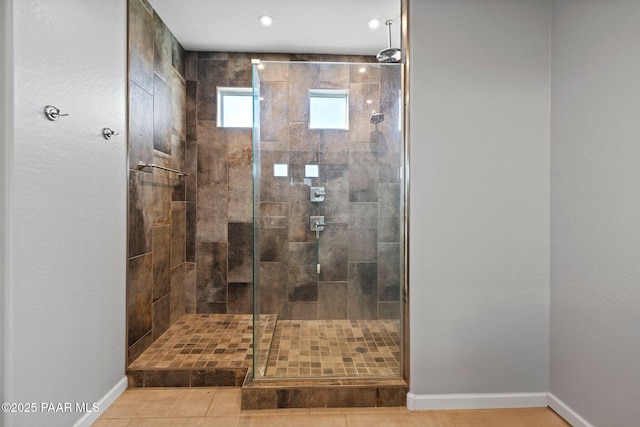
53	113
108	133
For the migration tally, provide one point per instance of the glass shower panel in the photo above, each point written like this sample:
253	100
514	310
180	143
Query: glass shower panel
259	354
328	221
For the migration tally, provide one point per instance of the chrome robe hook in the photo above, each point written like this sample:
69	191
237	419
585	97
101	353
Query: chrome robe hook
53	113
108	133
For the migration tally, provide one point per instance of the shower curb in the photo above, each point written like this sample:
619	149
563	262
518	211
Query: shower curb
323	393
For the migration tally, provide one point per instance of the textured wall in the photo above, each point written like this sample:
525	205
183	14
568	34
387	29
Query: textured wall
6	76
595	297
160	285
479	236
66	291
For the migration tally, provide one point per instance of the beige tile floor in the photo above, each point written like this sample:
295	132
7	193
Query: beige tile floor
221	408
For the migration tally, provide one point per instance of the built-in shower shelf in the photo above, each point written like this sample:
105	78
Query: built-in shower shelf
201	350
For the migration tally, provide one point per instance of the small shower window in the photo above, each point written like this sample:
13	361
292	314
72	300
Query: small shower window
235	107
328	109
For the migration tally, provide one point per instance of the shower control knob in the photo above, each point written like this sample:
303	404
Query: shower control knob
316	194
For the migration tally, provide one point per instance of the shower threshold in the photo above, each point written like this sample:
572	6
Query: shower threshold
278	393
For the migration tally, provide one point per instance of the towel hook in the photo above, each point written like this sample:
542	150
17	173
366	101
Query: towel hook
108	133
53	113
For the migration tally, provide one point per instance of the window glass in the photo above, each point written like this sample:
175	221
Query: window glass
328	109
235	107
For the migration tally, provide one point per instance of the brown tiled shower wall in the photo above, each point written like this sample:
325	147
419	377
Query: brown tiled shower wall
359	251
160	284
221	219
205	219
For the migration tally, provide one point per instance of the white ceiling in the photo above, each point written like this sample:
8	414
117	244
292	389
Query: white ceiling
300	26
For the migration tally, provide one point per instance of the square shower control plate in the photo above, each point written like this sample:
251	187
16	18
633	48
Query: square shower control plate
316	223
316	194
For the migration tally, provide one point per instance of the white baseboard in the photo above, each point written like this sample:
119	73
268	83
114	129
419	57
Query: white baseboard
570	416
90	417
430	402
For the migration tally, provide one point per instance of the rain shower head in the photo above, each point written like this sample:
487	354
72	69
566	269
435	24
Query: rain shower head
376	118
391	54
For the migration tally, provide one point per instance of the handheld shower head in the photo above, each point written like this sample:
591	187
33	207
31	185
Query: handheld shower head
376	118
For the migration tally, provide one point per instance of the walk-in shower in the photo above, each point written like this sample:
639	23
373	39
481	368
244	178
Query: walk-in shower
265	240
328	219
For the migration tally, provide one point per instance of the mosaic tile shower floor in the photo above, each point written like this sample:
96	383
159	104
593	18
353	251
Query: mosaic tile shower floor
198	341
290	348
328	348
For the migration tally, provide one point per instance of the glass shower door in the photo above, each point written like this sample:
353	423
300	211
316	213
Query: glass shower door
328	164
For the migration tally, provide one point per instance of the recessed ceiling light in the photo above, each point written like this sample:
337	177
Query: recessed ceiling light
362	69
266	20
374	23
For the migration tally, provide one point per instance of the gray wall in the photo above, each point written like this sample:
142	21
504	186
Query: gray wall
479	255
5	108
595	298
65	307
